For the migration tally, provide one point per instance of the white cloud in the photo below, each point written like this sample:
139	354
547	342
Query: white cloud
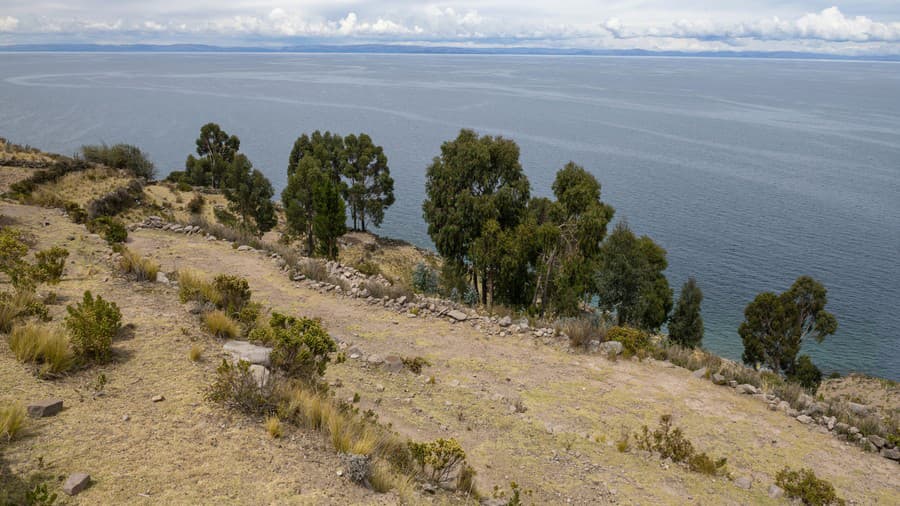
8	24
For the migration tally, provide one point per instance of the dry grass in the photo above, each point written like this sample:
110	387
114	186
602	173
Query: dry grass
273	427
581	331
80	187
13	306
221	325
32	343
138	267
394	291
193	286
196	353
12	420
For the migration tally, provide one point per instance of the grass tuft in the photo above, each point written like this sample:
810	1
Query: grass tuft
221	325
138	267
196	353
273	427
12	420
32	343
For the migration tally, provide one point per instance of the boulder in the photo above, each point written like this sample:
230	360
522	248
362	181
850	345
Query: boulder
858	409
891	453
506	321
458	315
775	492
242	350
842	427
699	373
744	482
260	375
244	247
783	406
718	379
608	347
878	441
76	483
746	389
47	407
375	360
817	408
804	419
393	363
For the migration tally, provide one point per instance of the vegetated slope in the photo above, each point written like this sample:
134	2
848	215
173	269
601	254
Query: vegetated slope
182	450
562	447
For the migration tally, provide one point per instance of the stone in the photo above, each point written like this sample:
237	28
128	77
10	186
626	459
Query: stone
831	422
374	360
853	431
242	350
158	398
718	379
76	483
804	419
891	453
732	383
858	409
608	347
746	389
244	247
878	441
393	363
744	482
260	374
775	492
48	407
379	387
458	315
817	408
162	278
506	321
841	427
401	300
699	373
805	400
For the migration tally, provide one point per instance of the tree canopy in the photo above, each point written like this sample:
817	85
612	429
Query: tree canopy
686	324
216	150
775	325
370	188
297	199
249	194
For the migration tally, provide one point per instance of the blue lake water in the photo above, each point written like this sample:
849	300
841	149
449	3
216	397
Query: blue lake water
749	172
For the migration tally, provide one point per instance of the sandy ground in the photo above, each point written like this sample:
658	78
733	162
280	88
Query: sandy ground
562	446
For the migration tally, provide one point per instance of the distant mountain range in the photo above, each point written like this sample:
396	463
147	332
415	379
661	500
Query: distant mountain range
414	49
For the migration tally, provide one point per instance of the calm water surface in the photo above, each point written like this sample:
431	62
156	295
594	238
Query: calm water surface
749	172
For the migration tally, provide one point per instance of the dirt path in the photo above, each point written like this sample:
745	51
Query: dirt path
182	450
562	446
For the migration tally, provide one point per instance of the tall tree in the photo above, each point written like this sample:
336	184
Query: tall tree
330	220
249	193
775	325
298	202
475	180
327	148
371	189
686	324
630	279
216	150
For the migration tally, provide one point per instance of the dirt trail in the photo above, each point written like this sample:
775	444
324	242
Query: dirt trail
182	450
562	446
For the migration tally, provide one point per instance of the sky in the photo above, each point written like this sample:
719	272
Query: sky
853	27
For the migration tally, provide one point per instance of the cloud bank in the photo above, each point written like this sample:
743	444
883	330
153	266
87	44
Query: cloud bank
576	24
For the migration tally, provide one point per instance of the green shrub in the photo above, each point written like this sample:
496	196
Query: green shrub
192	286
76	213
221	325
425	279
368	268
120	156
415	364
111	229
234	291
807	374
40	496
35	344
12	259
437	459
807	487
236	388
50	265
92	325
631	338
670	443
301	347
117	201
195	205
12	420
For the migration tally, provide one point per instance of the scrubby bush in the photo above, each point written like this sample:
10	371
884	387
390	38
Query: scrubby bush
120	156
367	267
234	291
195	205
301	347
49	349
415	364
50	264
394	291
12	420
632	339
425	279
236	388
670	443
806	373
221	325
111	229
807	487
582	330
19	305
76	213
437	459
22	189
117	201
138	267
92	325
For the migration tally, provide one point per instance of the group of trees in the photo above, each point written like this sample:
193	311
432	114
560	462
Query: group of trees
328	173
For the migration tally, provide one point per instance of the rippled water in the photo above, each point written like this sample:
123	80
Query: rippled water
750	172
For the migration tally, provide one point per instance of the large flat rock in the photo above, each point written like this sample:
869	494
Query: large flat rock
242	350
47	407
